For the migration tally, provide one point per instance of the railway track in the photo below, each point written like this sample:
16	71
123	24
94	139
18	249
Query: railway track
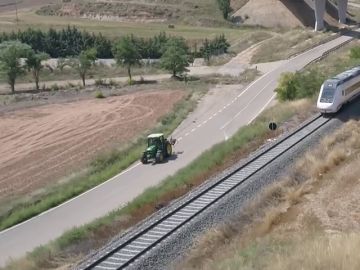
148	237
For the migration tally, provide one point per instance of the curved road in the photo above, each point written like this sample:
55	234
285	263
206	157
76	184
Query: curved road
194	136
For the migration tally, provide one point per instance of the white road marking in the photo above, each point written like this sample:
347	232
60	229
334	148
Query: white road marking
179	139
211	117
199	125
187	134
262	109
192	130
205	121
247	105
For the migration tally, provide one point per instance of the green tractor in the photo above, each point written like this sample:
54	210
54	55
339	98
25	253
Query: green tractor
158	148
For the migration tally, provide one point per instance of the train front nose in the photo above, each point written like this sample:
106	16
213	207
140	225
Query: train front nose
325	107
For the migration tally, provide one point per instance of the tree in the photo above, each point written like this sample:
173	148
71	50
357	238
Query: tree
175	57
127	54
288	86
10	54
33	63
225	7
206	50
84	62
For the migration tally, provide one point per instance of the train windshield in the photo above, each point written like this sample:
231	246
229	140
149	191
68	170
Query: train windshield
328	93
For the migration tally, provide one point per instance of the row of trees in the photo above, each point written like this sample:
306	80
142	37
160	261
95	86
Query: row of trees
175	58
62	43
217	46
71	42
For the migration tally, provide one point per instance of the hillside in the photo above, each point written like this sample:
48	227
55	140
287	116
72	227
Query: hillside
198	12
282	13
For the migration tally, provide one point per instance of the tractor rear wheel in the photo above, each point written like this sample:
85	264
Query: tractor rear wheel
168	149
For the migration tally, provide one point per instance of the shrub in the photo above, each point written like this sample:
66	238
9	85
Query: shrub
99	94
355	53
299	85
113	83
54	87
100	82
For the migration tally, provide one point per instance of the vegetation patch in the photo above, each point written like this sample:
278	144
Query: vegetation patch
286	45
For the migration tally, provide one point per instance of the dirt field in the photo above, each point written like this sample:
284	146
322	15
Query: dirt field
42	144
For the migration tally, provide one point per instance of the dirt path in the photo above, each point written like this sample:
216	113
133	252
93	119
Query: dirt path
42	144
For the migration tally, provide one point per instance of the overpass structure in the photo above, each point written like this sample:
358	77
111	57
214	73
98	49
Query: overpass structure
319	7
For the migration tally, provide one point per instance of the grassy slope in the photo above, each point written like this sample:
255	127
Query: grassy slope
297	225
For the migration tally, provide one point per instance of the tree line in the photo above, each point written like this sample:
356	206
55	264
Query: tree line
175	58
34	47
71	42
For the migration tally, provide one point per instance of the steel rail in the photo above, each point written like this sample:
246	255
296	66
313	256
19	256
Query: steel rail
141	242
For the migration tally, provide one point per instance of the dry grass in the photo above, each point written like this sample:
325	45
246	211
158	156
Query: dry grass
287	226
285	45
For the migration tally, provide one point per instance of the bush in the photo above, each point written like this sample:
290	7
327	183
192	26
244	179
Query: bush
113	82
355	53
299	85
54	87
99	94
100	82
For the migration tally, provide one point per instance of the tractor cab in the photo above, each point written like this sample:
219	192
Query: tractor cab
157	149
156	140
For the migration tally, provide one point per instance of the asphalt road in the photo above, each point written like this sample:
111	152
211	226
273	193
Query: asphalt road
194	136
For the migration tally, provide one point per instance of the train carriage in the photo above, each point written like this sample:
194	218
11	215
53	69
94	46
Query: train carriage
339	90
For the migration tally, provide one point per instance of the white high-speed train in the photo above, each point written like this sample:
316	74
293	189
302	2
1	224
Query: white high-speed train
337	91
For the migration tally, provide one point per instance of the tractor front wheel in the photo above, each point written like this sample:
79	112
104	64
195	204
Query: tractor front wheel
144	159
159	157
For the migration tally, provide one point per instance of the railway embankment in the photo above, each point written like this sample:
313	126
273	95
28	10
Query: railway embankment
310	215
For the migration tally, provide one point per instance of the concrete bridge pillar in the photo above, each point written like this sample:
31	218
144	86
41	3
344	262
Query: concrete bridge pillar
342	6
319	14
319	7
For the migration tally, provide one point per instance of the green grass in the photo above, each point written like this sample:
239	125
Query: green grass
104	167
217	155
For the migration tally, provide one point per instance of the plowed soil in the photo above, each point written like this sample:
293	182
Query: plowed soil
42	144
